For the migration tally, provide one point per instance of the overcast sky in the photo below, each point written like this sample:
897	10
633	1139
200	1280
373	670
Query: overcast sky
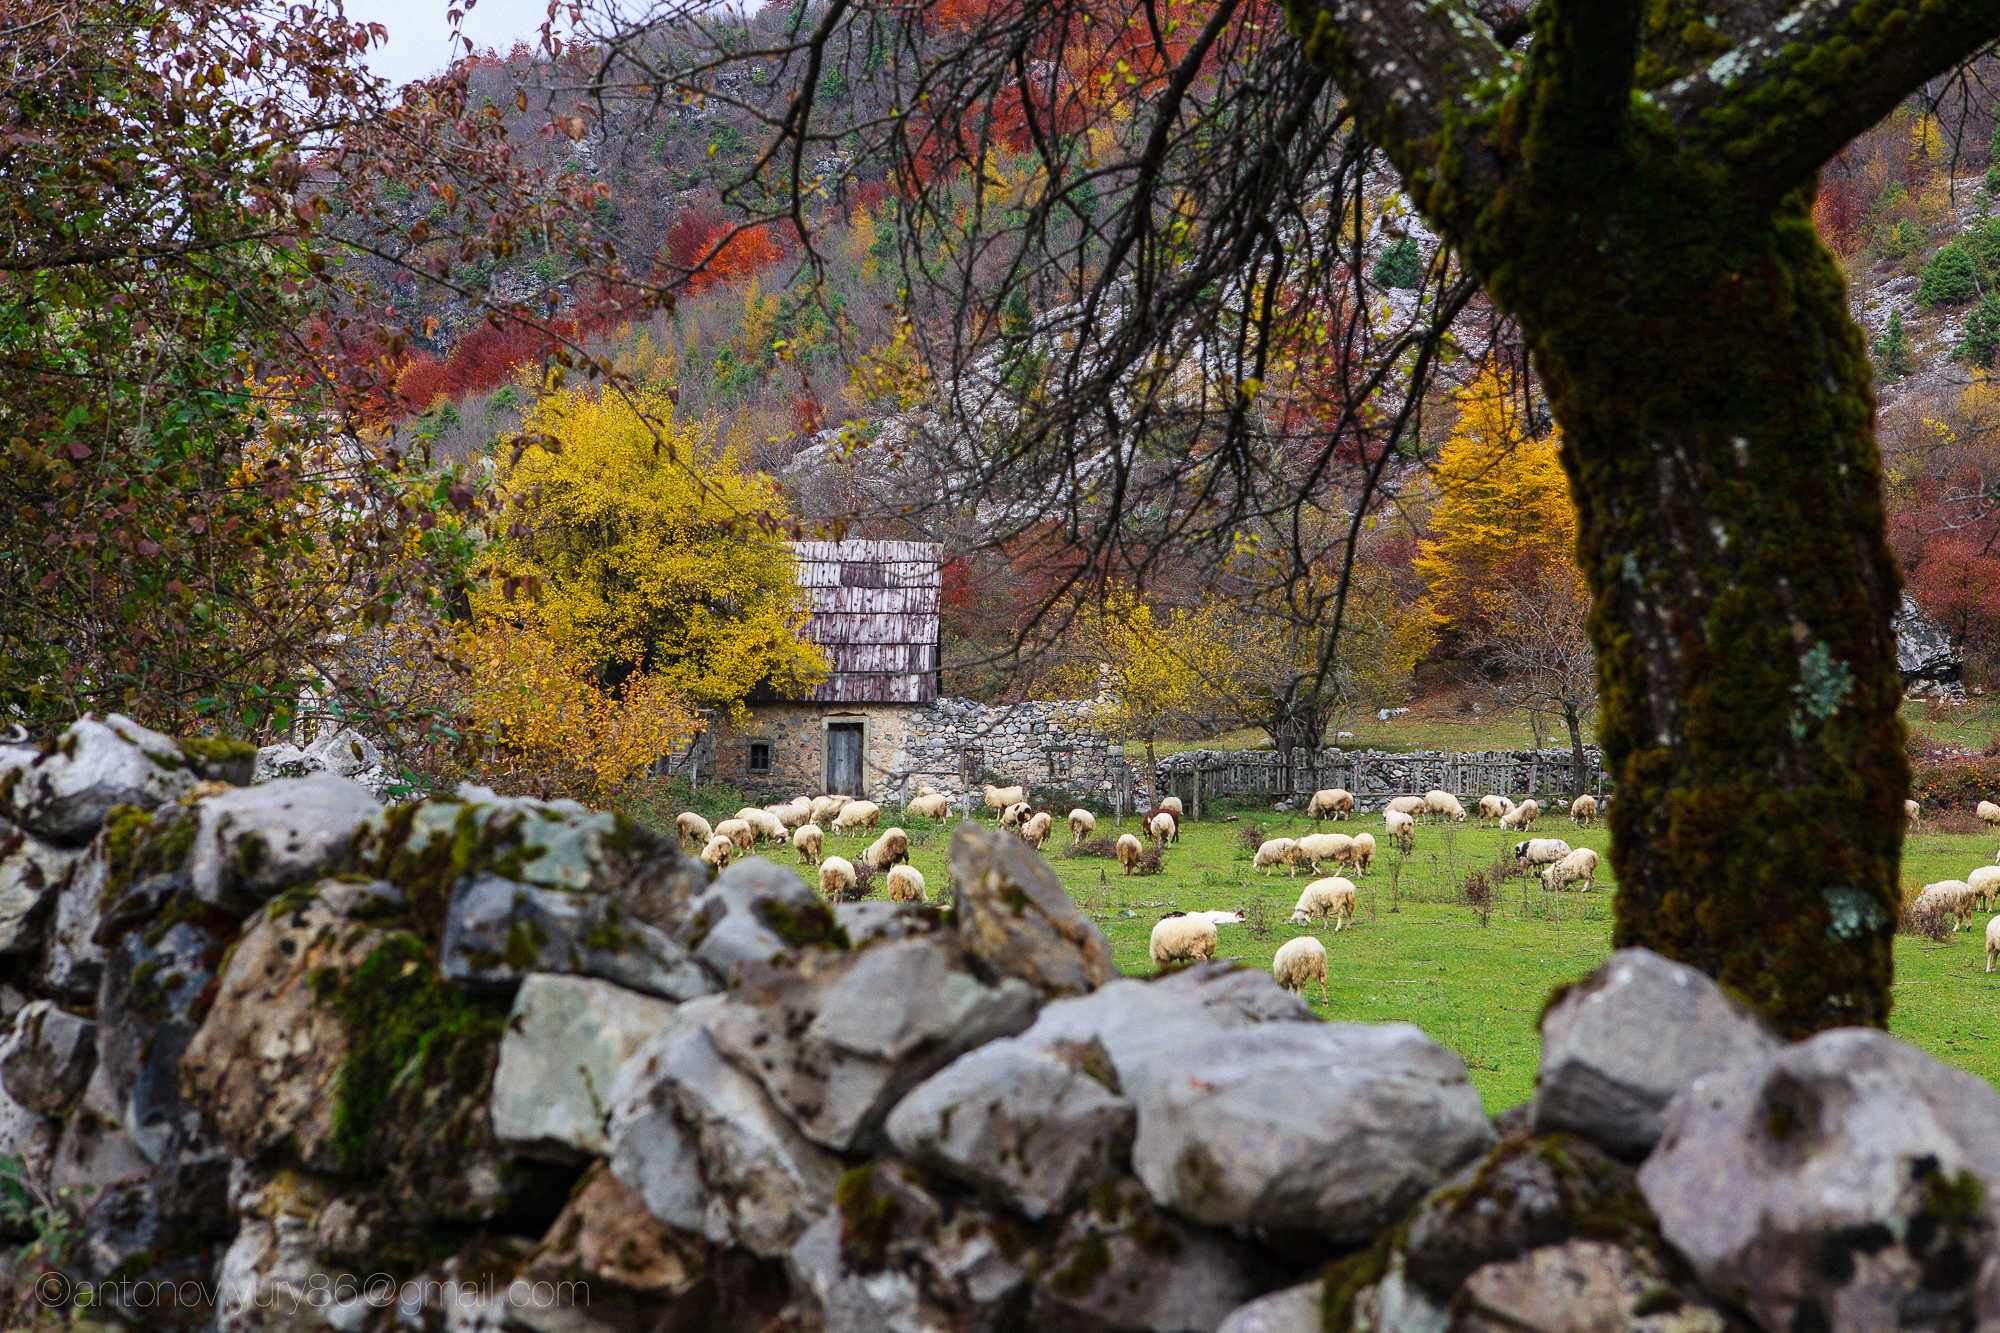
420	38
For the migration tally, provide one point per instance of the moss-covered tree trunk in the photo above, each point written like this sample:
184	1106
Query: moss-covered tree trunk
1635	192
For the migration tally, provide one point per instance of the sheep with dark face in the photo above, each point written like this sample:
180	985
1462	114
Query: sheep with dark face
1539	852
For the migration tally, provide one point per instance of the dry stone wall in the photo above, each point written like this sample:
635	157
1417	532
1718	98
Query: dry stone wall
283	1058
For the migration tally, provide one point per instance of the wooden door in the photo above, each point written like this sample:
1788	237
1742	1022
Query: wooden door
843	758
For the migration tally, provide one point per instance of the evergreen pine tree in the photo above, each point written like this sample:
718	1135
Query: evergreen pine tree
1892	349
1949	278
1400	265
1982	333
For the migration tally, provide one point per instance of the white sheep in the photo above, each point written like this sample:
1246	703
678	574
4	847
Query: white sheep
1129	851
1493	807
739	832
1992	942
1235	918
1444	805
1403	828
906	885
1181	938
887	850
718	851
1035	829
808	840
1334	802
1317	847
1539	852
1326	898
1985	882
1988	813
1299	961
766	826
1081	825
1012	816
1583	810
1951	896
1580	866
1276	852
693	828
855	816
929	805
1522	816
1172	805
999	798
1164	828
791	813
1406	805
1364	852
1911	810
836	877
825	807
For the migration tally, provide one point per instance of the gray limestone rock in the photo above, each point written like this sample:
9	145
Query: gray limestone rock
50	1059
146	1016
875	919
1291	1310
32	873
565	1041
1016	921
346	753
753	911
1032	1126
283	760
65	794
1329	1128
1924	651
253	841
498	930
1845	1182
1620	1043
837	1037
1579	1286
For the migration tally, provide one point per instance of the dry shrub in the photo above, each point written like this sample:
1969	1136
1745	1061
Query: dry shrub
1104	847
864	883
1958	823
1925	923
1479	894
1251	838
1151	861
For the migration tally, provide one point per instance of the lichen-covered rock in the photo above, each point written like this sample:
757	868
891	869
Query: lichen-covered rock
703	1145
1016	921
130	871
498	930
345	753
1032	1126
1120	1264
752	911
65	795
283	760
1292	1310
266	1280
147	1014
837	1037
565	1041
1329	1128
1619	1044
1845	1182
1579	1286
32	872
50	1058
876	919
250	842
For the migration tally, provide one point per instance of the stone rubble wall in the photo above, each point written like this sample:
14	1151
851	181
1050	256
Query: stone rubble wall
281	1058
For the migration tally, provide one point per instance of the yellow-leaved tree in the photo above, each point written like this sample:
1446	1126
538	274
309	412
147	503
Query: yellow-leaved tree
649	558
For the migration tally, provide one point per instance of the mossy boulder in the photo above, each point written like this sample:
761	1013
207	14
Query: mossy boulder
66	793
1015	920
252	842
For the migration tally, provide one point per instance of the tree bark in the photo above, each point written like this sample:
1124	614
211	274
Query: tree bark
1576	760
1651	234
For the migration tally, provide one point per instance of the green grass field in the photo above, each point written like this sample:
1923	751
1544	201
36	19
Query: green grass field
1416	952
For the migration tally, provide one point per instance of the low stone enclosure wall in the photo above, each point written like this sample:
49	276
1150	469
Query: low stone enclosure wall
280	1058
1376	775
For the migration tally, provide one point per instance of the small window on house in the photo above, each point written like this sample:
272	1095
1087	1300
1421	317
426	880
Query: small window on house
760	756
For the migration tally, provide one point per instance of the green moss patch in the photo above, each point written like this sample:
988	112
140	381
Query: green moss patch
868	1219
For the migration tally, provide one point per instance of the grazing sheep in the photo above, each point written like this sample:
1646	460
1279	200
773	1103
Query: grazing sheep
1493	807
791	813
1172	805
1326	898
1580	866
1334	802
1583	810
1164	828
718	851
929	805
1539	852
836	877
999	798
1992	942
1081	825
893	846
1406	805
1911	810
1522	816
1403	828
1181	938
855	816
1985	882
1299	961
1364	852
1952	896
1444	805
1277	852
825	807
1129	851
739	832
906	885
766	826
1989	813
693	828
1035	829
1012	816
808	840
1235	918
1317	847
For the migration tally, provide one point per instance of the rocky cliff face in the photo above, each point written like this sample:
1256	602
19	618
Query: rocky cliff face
280	1058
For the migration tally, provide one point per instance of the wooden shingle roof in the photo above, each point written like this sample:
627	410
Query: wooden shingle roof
875	609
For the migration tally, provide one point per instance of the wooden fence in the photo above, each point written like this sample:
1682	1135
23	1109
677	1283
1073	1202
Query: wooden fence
1374	776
